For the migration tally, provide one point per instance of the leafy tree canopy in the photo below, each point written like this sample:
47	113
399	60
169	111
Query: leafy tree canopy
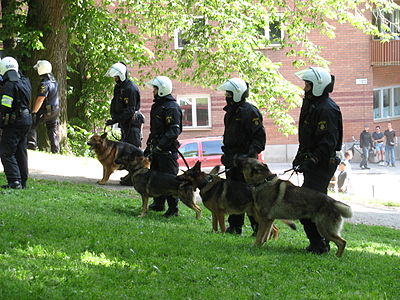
224	39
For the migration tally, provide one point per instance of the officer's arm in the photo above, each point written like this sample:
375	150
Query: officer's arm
7	98
257	133
38	103
130	98
172	121
327	135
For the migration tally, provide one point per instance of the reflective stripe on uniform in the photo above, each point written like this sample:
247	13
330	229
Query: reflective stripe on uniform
7	101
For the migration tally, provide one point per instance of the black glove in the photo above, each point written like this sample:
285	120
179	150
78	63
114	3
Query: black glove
34	119
147	151
158	150
305	166
110	122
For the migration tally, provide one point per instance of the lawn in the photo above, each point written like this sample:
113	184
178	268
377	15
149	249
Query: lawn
69	241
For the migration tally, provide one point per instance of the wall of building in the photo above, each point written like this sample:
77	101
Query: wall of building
349	55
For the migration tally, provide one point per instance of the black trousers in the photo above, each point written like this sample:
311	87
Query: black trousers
167	163
131	134
13	153
317	179
53	129
237	221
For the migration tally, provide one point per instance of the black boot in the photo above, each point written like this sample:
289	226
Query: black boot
318	247
234	230
157	205
13	185
171	212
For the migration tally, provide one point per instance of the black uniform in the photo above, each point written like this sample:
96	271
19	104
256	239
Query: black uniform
244	135
320	136
49	113
165	127
125	103
16	120
366	143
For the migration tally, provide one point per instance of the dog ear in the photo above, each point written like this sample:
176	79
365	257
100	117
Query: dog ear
215	170
104	135
197	166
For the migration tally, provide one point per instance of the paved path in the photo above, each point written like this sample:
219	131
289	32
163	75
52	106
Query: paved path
380	182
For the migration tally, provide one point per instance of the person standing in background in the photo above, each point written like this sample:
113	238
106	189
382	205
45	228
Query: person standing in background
366	145
391	142
378	137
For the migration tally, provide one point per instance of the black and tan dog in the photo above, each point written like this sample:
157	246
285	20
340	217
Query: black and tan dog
280	199
149	183
223	196
107	152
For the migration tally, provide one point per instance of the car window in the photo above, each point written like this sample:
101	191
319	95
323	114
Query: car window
189	150
212	148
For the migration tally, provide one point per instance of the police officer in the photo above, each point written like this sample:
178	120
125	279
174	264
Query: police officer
162	144
320	136
15	95
244	135
125	105
46	108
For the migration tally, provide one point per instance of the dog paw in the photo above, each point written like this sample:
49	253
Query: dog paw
101	182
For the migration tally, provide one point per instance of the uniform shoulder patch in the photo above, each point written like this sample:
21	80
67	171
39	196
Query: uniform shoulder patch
256	121
42	89
169	119
322	125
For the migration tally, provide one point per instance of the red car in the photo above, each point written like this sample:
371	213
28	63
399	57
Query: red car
206	149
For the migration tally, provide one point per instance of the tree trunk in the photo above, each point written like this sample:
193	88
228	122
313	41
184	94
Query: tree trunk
49	16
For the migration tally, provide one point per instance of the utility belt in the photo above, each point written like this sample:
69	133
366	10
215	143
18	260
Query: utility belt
10	118
51	108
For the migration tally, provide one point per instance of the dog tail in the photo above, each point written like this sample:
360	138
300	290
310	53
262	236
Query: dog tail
344	210
290	223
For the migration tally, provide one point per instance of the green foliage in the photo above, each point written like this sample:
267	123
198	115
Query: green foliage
63	240
226	43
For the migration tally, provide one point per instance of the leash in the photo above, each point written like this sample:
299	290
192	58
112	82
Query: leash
183	158
112	134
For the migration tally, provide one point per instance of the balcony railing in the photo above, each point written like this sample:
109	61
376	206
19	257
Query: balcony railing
385	54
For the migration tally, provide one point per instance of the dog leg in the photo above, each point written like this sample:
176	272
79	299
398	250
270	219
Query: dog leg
340	243
274	233
269	225
214	222
145	202
221	221
106	175
264	231
197	209
260	233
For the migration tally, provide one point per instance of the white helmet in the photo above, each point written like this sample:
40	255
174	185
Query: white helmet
319	77
235	85
163	83
8	63
117	69
43	67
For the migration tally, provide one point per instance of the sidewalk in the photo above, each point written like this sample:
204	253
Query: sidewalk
379	183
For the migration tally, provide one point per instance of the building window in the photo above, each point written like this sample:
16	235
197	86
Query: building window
387	103
273	32
196	110
197	24
387	22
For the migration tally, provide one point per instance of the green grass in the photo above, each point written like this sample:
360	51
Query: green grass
70	241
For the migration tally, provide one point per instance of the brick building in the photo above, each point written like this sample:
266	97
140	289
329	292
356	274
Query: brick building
367	89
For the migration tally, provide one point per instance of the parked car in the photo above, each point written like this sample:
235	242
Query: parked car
205	149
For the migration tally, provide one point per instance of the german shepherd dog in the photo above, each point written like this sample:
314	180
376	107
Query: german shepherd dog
149	183
280	199
108	152
223	196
